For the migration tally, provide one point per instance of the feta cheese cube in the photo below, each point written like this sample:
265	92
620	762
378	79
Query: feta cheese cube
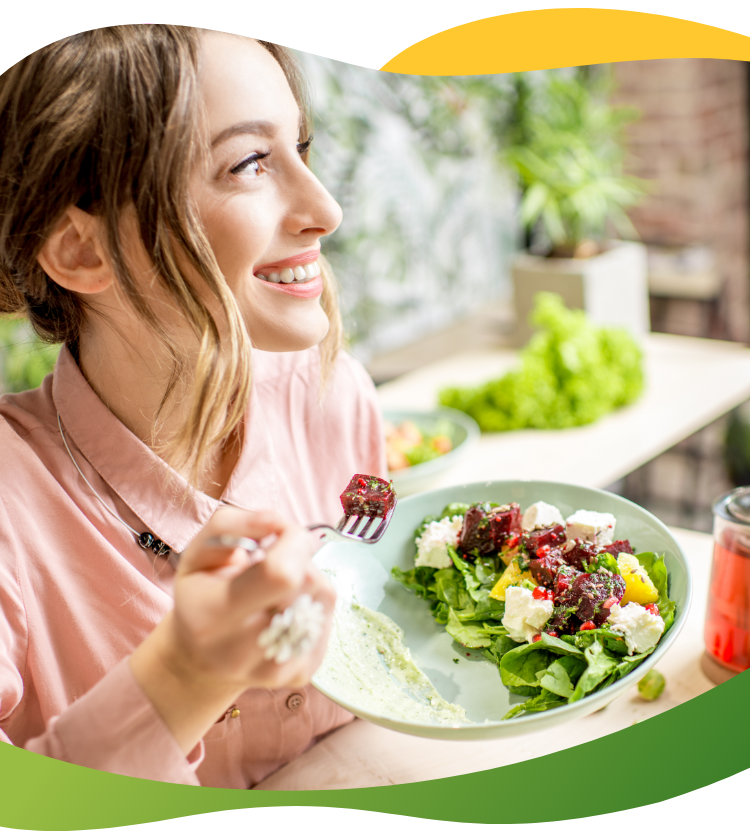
591	526
525	616
541	515
432	545
641	629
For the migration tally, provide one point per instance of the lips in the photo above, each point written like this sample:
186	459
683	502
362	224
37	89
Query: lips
302	290
298	269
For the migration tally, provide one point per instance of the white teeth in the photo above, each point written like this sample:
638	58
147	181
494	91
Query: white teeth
302	273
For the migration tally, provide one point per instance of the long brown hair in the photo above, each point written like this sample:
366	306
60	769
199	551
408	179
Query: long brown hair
109	119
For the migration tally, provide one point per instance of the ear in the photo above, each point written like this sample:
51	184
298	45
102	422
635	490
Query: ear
73	255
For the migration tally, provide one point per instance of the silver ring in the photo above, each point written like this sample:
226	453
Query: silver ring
294	632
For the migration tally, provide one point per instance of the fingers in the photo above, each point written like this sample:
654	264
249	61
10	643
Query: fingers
257	526
225	600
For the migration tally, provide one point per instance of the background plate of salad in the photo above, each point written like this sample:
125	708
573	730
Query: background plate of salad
510	676
421	445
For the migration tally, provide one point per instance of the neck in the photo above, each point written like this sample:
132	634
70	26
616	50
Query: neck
131	375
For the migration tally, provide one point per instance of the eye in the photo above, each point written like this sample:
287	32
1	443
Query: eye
304	147
250	164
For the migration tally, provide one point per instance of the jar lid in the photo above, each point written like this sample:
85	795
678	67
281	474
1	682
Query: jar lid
734	506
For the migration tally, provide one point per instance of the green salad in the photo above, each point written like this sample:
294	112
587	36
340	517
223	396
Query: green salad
557	604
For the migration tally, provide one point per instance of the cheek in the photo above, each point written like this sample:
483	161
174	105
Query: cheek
238	240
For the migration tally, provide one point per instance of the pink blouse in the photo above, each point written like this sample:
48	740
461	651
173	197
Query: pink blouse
78	594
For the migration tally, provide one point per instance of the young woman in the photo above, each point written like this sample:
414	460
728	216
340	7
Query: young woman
158	218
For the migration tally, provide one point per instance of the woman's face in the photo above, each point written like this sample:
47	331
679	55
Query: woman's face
263	209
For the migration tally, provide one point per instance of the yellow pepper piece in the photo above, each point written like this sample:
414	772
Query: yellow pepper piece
512	576
639	588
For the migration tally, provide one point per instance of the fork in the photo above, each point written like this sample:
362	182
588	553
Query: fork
343	531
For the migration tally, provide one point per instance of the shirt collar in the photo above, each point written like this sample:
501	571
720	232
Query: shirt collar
156	493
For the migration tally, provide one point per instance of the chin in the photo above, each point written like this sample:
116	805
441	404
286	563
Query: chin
296	336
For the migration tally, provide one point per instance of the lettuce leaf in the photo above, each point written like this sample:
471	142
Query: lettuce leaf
657	571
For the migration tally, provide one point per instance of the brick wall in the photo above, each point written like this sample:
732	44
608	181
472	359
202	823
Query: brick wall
692	141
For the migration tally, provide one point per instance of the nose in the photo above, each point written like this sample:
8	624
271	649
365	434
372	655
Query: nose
311	208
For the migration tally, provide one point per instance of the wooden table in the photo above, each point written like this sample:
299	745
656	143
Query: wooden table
690	383
365	755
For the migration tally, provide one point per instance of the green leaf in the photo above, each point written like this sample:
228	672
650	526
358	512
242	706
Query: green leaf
561	676
469	635
657	571
542	702
419	580
600	665
519	668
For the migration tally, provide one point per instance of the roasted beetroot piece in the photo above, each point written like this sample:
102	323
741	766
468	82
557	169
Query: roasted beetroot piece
579	553
618	547
487	529
564	578
368	496
476	532
544	569
590	592
554	536
505	523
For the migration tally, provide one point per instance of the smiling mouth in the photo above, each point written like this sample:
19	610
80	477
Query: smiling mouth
300	274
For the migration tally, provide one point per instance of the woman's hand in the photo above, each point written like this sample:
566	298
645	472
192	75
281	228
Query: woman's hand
205	652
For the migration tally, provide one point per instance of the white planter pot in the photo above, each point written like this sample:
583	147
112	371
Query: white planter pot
611	287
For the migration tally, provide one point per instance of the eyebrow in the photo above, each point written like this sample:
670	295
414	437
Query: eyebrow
259	126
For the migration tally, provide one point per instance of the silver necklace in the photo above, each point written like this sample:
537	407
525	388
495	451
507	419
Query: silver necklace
146	540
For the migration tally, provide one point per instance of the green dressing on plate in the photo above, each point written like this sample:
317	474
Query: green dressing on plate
368	665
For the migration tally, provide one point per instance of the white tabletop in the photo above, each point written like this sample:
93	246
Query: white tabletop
690	383
364	755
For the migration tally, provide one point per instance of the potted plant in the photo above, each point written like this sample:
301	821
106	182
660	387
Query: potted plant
568	158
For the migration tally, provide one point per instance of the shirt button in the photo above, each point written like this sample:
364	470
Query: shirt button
295	702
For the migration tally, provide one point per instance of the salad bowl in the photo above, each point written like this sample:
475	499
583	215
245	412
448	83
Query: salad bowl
461	675
462	430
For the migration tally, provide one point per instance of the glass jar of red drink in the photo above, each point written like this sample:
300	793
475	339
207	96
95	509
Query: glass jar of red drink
727	631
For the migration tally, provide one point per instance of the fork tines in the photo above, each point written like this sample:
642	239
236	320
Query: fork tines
355	529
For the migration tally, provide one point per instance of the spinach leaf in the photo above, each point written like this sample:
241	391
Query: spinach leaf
488	571
449	587
631	662
657	571
541	702
440	612
494	629
600	665
454	509
467	571
519	668
609	639
561	676
419	580
486	607
469	635
559	646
